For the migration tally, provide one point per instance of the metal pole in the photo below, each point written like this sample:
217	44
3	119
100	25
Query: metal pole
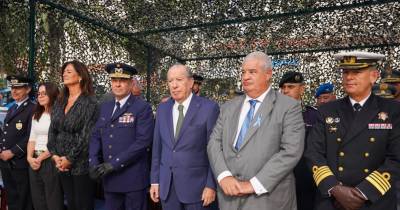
148	73
32	14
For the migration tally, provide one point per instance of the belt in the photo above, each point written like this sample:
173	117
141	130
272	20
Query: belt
37	153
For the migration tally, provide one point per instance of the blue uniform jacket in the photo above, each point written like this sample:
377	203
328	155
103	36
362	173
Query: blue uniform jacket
123	140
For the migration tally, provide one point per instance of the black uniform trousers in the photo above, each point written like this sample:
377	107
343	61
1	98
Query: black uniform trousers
79	190
46	187
16	183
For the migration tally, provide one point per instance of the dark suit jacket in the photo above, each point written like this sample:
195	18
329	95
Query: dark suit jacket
15	136
124	140
184	160
358	149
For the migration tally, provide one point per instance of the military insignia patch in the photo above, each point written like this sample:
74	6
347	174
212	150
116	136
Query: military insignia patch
383	116
127	118
332	129
329	120
18	125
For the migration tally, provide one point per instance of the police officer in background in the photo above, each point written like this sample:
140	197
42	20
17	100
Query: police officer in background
198	80
14	139
118	150
353	149
392	77
384	90
292	85
325	94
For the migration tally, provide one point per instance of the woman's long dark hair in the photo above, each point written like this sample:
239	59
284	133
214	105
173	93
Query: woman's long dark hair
51	92
86	84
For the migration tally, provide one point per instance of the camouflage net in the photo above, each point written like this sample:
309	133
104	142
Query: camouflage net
210	36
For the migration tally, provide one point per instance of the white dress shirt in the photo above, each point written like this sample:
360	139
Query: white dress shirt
259	189
362	102
175	111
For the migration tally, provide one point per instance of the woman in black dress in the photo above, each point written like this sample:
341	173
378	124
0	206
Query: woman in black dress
72	119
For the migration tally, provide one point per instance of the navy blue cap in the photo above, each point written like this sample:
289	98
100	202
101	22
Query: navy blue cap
291	77
384	90
18	80
120	70
324	88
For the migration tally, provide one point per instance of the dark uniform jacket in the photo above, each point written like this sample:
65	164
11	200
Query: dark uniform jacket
69	133
357	149
15	135
305	186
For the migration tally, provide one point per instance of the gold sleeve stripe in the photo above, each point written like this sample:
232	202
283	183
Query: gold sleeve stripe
381	178
380	182
376	185
385	176
323	177
320	173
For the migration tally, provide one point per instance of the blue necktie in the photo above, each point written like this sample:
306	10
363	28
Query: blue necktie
246	124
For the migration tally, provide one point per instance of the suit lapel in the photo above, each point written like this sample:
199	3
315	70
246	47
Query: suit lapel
234	120
260	117
11	116
108	109
345	112
361	120
170	121
191	112
123	108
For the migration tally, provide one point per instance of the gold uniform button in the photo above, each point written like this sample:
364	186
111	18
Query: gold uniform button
366	170
340	168
109	146
112	125
109	157
372	139
341	154
366	154
111	135
339	140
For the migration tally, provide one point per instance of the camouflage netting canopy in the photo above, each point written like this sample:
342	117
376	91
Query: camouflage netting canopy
210	36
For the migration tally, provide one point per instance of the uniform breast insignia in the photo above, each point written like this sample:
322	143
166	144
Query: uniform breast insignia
383	116
380	126
18	125
332	123
126	118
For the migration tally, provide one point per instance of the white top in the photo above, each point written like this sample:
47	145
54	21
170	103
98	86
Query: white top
255	183
40	132
175	111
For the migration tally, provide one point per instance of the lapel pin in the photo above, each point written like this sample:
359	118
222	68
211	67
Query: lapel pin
383	116
329	120
258	122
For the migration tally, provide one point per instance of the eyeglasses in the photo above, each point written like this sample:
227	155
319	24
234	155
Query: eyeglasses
42	94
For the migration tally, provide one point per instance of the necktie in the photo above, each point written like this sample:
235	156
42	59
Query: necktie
118	105
357	107
180	121
246	124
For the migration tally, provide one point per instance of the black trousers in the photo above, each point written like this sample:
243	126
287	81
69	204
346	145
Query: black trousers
46	187
79	190
16	183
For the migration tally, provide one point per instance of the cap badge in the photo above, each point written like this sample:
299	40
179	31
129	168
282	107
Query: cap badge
349	59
